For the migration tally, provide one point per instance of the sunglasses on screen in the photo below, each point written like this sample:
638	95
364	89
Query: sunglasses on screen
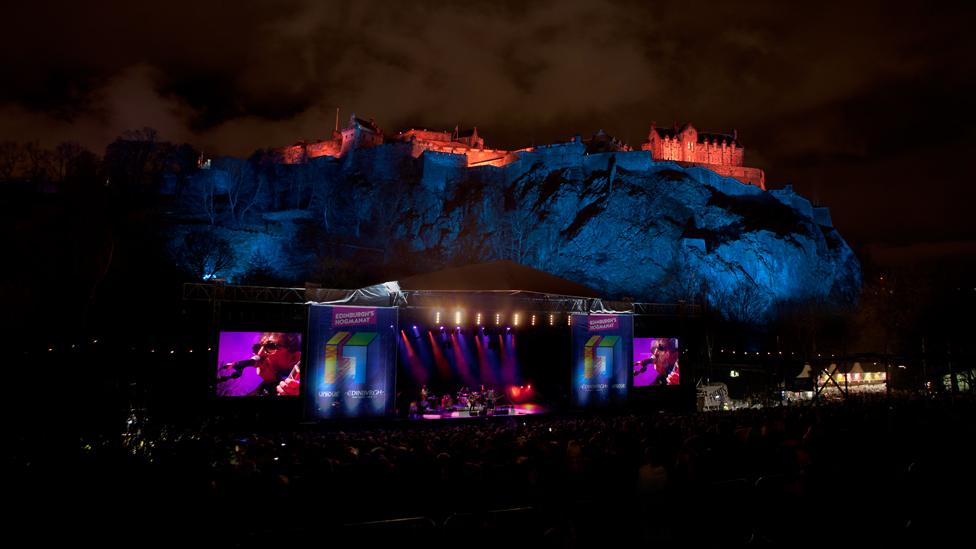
269	346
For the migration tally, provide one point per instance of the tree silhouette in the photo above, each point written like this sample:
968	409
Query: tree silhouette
205	254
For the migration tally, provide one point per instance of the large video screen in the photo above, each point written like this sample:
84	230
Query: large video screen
352	361
656	361
259	364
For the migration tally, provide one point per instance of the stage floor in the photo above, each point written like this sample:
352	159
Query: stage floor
500	411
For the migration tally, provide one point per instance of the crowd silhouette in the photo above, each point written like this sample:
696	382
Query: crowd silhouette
865	468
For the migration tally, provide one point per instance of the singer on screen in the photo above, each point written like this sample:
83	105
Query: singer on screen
272	369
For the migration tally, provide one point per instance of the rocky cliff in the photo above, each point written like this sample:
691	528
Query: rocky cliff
617	222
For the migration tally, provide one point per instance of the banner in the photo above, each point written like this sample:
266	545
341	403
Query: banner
351	361
602	349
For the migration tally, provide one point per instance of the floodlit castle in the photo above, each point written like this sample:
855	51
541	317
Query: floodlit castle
685	145
719	152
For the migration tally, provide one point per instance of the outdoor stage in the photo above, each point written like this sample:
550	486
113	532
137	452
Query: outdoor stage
386	350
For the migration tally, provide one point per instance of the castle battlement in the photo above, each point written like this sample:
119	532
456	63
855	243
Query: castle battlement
719	152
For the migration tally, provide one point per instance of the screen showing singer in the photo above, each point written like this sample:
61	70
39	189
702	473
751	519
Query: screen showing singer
656	361
259	364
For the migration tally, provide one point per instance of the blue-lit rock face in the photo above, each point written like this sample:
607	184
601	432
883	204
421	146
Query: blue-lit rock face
616	222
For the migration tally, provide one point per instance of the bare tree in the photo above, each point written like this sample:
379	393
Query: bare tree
39	162
743	302
11	157
66	155
511	241
243	188
205	254
200	195
136	157
680	281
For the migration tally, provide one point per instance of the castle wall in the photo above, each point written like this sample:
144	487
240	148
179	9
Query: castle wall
294	154
440	167
381	163
722	183
323	148
634	161
752	176
426	135
557	155
490	157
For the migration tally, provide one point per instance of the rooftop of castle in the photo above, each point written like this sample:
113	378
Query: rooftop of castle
703	136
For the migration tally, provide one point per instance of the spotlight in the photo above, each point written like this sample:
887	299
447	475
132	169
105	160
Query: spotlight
457	317
437	317
498	319
478	321
533	320
569	320
508	328
552	319
516	319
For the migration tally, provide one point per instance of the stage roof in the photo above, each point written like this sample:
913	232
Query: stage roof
494	285
496	276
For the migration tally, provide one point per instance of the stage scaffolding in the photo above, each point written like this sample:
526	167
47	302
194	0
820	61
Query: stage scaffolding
529	301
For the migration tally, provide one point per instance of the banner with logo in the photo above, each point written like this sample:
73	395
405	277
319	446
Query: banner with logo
602	348
351	361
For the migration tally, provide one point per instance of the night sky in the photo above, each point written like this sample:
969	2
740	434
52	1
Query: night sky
865	107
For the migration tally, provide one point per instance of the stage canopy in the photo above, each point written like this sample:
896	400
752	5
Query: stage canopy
496	276
497	284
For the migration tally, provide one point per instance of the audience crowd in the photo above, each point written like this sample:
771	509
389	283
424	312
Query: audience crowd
870	468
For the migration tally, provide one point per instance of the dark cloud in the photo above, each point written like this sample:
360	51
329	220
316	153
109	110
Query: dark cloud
842	99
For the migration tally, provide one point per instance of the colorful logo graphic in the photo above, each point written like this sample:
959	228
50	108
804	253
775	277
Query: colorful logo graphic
598	356
345	356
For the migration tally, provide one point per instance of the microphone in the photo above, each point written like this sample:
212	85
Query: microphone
241	364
